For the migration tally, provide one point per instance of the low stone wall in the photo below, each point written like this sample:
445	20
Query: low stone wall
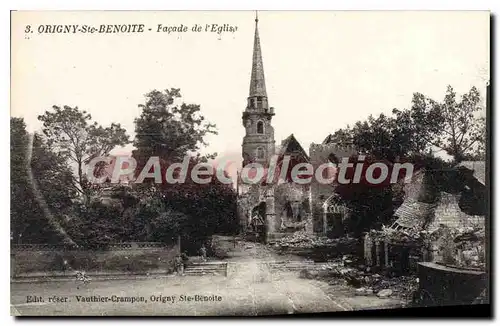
442	285
122	257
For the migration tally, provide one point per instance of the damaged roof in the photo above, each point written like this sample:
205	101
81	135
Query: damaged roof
413	214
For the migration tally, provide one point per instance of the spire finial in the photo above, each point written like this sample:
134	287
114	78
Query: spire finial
257	82
256	16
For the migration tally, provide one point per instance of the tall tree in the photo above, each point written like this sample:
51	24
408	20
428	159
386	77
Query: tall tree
210	208
169	128
453	126
71	132
425	128
379	136
375	136
41	192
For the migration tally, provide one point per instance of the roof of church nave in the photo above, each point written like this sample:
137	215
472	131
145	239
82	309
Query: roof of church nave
291	145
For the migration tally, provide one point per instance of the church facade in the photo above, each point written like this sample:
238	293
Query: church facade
281	208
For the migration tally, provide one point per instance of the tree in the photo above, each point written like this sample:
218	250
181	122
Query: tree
210	208
451	126
370	205
385	137
154	220
427	127
169	129
376	136
463	132
41	192
341	136
98	224
419	125
70	132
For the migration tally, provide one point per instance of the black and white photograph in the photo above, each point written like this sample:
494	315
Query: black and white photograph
249	163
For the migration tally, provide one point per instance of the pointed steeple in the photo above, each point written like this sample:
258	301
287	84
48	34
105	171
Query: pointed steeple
258	143
257	81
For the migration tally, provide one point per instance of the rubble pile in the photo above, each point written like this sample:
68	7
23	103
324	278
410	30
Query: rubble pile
302	239
406	236
464	247
459	247
293	225
362	279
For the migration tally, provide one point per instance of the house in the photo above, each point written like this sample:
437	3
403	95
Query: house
455	198
442	211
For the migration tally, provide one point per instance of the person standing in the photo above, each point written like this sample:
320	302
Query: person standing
178	265
203	253
185	260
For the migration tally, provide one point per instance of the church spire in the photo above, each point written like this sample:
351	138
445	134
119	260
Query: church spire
258	143
257	81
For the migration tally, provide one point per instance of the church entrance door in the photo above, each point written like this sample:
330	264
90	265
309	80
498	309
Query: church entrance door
334	215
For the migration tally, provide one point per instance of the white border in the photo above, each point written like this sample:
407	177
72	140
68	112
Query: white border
189	5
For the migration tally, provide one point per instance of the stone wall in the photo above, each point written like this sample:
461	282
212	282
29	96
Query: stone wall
122	257
318	154
449	213
449	286
251	196
297	198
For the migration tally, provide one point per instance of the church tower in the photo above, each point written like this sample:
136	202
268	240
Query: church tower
258	143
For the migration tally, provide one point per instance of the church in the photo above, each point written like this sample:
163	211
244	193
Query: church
275	210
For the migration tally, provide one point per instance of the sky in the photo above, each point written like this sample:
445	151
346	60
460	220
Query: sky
323	69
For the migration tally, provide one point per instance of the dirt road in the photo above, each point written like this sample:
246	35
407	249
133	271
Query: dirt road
250	288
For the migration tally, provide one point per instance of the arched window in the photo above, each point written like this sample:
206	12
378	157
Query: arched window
260	153
260	127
